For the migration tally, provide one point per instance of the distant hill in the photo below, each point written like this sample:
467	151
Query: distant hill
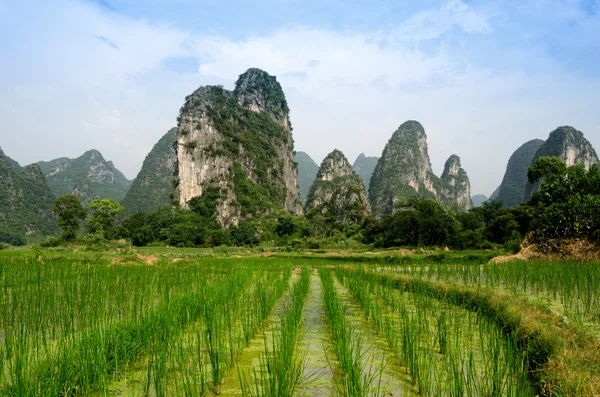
364	167
338	193
512	190
89	177
307	172
153	186
404	171
494	195
478	200
25	203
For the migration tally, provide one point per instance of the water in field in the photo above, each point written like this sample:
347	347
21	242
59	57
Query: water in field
315	345
179	364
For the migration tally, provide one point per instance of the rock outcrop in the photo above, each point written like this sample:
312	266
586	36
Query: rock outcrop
404	170
568	144
235	150
512	189
307	173
25	203
364	167
454	187
338	192
89	177
153	186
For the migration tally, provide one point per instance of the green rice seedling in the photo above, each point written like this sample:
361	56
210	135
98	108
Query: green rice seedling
442	332
356	378
280	372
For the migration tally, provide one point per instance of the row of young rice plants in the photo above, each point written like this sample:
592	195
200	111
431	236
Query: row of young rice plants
357	375
445	350
570	287
200	358
563	356
49	299
85	358
281	368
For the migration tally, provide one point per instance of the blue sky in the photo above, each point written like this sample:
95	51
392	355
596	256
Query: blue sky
483	77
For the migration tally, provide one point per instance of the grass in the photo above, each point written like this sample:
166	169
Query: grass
175	322
356	375
564	359
280	372
437	348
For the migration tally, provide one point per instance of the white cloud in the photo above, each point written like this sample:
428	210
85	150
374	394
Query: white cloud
68	91
432	23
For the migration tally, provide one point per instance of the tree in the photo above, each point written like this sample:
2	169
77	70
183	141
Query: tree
103	215
69	211
568	203
546	166
285	226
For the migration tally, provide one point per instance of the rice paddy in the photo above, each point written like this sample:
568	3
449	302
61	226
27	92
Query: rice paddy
123	324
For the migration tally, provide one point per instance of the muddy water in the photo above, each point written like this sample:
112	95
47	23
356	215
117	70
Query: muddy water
250	358
394	380
315	345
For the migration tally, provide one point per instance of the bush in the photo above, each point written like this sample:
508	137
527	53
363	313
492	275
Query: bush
513	246
52	242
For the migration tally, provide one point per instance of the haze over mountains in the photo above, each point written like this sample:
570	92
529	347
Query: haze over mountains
233	153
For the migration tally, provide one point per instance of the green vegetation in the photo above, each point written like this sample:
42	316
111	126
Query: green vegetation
102	217
440	345
338	194
173	325
565	143
404	171
69	211
256	137
364	167
89	176
307	172
152	188
355	378
568	204
25	204
283	374
512	190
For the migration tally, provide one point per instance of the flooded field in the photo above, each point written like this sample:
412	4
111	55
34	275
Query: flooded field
88	324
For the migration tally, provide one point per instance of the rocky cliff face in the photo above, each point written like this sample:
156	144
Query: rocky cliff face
404	170
512	189
238	147
570	145
25	203
89	177
338	192
307	172
153	186
454	187
364	167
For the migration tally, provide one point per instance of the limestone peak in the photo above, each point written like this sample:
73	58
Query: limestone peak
334	165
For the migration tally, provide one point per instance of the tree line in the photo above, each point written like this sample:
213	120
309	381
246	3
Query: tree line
566	207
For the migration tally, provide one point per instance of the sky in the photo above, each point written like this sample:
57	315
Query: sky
482	77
